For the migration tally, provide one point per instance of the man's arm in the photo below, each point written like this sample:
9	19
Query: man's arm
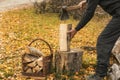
91	6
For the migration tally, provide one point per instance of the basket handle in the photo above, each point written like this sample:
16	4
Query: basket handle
51	51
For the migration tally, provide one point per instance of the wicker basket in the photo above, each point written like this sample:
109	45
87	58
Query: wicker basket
47	62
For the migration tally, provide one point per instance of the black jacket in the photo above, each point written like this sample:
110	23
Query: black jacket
110	6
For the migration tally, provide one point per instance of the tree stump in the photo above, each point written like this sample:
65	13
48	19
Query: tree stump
68	62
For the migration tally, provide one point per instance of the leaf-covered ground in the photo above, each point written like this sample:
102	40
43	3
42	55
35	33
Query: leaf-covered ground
18	28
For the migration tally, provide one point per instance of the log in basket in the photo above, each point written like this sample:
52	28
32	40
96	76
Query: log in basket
34	63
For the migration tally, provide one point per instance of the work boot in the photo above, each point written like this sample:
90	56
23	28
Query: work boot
94	77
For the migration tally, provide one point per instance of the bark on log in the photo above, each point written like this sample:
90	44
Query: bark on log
29	58
68	62
64	38
116	50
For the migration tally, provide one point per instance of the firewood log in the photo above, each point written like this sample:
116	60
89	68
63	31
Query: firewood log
37	69
35	51
116	48
40	61
32	64
29	70
27	58
25	68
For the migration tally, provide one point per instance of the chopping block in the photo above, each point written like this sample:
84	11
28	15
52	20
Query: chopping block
67	61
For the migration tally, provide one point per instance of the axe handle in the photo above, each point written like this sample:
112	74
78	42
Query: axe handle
69	8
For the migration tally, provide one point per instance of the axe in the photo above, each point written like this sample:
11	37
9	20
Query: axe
64	11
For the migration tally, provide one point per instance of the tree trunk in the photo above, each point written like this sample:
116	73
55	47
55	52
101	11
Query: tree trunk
68	62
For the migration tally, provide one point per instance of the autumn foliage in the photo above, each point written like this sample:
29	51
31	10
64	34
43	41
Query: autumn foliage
18	28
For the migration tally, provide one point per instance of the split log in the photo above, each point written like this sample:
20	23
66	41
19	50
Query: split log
29	58
35	51
29	70
36	69
116	50
64	38
32	64
68	62
40	62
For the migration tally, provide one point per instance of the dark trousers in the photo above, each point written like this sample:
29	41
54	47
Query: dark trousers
105	43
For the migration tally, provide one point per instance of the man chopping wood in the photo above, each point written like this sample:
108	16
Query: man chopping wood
107	38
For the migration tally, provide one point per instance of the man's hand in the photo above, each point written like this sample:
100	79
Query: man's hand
82	4
72	33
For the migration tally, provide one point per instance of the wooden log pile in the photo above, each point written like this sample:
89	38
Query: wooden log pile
32	63
36	63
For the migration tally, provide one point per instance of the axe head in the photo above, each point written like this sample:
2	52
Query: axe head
64	14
